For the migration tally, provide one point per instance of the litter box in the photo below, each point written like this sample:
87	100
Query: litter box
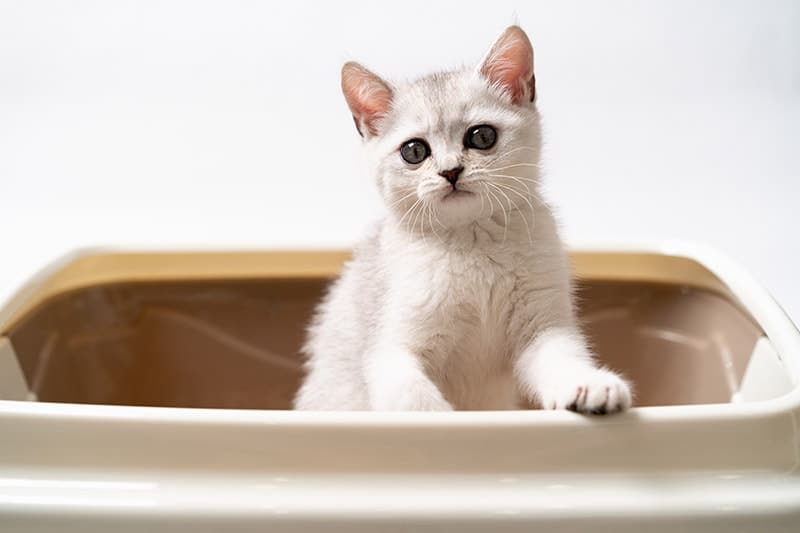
151	391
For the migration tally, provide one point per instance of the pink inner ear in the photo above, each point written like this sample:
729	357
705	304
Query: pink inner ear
368	97
510	65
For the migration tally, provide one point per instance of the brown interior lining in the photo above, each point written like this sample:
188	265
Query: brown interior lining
233	343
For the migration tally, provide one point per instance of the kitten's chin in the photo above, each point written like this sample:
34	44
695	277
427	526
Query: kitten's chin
458	207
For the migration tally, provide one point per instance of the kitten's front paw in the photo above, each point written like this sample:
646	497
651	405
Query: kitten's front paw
597	392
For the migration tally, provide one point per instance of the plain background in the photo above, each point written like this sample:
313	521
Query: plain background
201	124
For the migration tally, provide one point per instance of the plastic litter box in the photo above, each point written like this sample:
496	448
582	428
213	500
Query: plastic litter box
151	391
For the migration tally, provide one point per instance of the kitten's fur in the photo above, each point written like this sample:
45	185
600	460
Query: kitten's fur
461	302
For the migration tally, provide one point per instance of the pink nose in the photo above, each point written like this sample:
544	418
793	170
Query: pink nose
452	174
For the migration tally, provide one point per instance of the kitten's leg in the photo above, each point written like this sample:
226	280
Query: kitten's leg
331	388
396	381
557	370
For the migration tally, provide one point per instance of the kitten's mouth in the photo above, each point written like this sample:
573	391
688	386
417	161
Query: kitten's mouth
454	194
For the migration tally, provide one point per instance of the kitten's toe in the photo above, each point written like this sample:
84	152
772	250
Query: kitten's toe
597	393
563	396
606	393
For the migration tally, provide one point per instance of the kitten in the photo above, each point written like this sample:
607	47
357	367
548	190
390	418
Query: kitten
461	299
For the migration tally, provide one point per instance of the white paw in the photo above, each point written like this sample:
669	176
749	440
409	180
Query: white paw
597	392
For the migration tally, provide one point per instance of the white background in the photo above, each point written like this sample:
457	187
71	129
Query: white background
205	124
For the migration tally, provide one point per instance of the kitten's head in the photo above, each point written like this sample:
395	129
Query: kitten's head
455	147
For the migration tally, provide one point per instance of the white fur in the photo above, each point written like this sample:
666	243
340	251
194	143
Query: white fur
458	302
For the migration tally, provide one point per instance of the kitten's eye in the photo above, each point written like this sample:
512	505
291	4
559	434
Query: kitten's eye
481	137
415	151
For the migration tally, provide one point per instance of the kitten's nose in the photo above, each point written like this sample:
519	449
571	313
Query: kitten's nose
452	174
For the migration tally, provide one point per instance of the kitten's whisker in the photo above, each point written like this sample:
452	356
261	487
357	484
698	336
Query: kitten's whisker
422	224
521	181
523	178
409	210
517	149
491	205
524	219
420	211
414	220
421	216
431	212
412	193
493	169
525	188
505	213
436	216
518	192
512	151
493	195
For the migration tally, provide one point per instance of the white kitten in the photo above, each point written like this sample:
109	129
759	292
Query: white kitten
461	299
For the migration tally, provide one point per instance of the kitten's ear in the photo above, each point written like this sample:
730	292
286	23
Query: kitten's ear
368	97
509	65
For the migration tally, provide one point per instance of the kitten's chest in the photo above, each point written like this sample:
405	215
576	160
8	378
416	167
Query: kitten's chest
465	297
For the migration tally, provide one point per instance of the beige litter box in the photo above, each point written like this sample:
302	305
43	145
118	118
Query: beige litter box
89	347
